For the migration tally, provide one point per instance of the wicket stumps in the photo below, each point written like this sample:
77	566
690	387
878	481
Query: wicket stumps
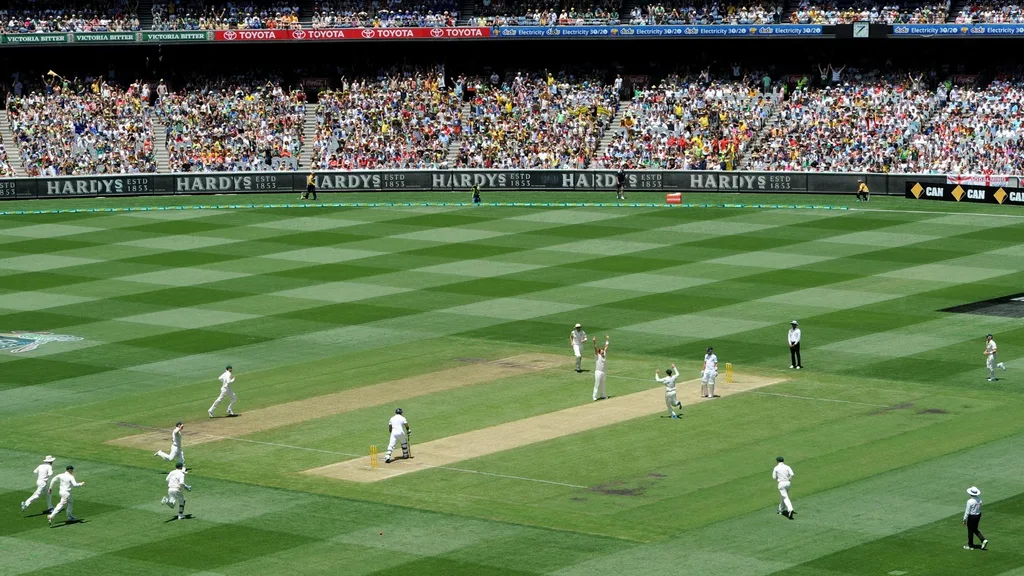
373	456
728	372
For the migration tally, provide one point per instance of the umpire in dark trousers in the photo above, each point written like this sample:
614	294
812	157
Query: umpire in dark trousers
794	345
972	517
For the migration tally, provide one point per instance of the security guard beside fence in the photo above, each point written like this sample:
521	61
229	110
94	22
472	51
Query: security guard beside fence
862	190
310	186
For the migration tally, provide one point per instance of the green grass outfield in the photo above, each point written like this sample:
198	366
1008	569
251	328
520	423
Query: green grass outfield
891	421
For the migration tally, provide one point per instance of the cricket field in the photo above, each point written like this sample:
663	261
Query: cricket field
117	317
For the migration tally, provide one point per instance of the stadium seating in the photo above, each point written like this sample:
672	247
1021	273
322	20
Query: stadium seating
694	12
199	15
991	12
533	121
385	14
232	128
547	12
395	121
686	124
978	131
68	16
845	12
860	125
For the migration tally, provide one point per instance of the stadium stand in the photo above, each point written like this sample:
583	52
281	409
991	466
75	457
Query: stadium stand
858	125
991	13
395	120
694	12
97	129
846	12
535	121
685	124
232	126
68	16
385	14
547	12
198	15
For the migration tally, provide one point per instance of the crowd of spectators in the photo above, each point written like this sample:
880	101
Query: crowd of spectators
547	12
90	127
68	16
978	131
686	123
858	125
697	12
809	12
199	15
231	125
535	121
394	120
991	13
385	13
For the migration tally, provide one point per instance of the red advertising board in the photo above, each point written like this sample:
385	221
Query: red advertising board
327	34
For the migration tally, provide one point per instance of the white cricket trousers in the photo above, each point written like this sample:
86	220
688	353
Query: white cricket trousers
175	498
599	385
708	377
990	363
671	401
225	391
579	356
398	438
40	489
68	500
175	451
785	504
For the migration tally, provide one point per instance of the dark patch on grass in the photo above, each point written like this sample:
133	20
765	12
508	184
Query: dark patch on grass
578	499
893	408
471	360
932	411
1011	306
656	475
619	488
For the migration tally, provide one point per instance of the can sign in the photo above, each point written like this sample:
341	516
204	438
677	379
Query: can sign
676	198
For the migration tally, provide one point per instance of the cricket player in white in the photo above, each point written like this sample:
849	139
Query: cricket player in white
175	482
43	474
783	474
226	379
175	445
67	482
398	426
991	360
708	373
670	389
576	339
600	357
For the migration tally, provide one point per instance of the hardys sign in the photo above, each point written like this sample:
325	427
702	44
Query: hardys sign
460	180
965	193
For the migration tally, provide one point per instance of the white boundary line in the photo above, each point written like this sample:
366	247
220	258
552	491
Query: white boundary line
935	212
320	451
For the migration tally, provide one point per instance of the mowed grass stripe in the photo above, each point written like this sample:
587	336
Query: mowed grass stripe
380	394
439	453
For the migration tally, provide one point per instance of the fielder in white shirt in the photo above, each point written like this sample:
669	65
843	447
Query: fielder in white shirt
991	361
576	339
398	426
600	358
783	474
794	345
708	373
175	482
67	482
226	379
175	445
43	474
669	381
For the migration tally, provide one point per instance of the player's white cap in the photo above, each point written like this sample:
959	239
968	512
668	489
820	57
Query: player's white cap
49	459
795	323
578	326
